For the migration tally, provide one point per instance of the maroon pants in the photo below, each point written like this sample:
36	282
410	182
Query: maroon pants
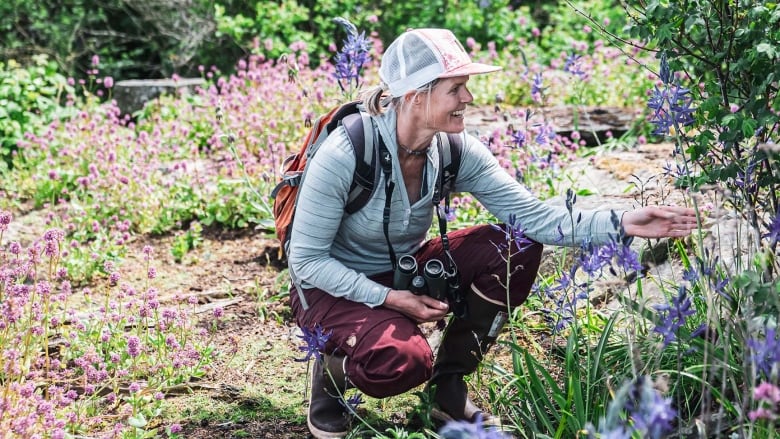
388	354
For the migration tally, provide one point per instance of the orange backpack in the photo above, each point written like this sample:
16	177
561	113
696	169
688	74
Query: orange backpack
367	144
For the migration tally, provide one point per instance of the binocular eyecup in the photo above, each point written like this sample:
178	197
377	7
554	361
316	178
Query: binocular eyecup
434	281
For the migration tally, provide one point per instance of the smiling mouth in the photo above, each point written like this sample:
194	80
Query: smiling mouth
458	113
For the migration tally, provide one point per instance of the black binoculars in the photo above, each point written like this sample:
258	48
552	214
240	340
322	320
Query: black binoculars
433	281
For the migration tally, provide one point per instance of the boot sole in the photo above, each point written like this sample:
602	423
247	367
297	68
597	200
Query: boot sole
321	434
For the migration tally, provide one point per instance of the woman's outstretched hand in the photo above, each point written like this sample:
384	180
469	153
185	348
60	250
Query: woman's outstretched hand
660	222
420	308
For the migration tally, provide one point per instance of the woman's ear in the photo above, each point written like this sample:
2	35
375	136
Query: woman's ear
412	98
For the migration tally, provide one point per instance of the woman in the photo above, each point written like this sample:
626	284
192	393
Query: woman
341	265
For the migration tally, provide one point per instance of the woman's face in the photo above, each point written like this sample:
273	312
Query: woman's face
447	103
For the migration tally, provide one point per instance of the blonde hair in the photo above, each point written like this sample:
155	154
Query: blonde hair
377	102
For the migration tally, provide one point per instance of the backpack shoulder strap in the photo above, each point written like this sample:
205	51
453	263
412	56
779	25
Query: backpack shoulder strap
450	151
362	136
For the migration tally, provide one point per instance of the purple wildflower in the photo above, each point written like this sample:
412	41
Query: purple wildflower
468	430
564	297
353	56
560	234
518	138
649	412
671	104
449	213
673	316
572	65
353	402
765	354
666	72
773	229
638	410
690	275
768	392
545	135
5	220
627	259
537	87
315	342
133	346
513	232
571	200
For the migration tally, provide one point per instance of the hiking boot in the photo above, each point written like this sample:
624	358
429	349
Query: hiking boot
328	417
465	342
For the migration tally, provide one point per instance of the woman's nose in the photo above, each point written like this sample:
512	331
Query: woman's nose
466	96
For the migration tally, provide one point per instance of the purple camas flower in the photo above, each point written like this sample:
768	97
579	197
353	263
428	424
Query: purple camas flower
545	135
469	430
638	410
773	232
671	104
315	340
674	315
572	65
353	56
765	353
537	87
649	412
513	232
564	297
518	138
353	402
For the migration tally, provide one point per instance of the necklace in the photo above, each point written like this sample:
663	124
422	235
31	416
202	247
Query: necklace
412	151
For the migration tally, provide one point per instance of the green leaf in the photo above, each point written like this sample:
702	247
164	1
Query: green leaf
138	421
749	127
767	49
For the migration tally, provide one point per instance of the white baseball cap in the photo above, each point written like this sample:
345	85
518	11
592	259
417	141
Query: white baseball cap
418	56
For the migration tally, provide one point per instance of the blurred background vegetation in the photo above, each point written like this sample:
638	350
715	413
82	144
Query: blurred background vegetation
159	38
51	48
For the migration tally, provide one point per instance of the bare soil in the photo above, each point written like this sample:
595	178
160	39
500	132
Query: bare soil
239	272
255	388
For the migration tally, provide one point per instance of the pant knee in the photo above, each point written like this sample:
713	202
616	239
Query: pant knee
392	370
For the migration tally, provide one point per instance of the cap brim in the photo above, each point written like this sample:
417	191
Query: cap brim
473	68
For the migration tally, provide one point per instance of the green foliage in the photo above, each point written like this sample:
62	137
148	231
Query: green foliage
30	97
154	39
557	395
729	56
134	39
185	242
570	23
274	26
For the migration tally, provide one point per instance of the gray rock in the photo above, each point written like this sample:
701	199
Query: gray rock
131	95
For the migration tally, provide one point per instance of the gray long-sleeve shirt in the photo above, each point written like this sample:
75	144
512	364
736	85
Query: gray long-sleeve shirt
335	252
